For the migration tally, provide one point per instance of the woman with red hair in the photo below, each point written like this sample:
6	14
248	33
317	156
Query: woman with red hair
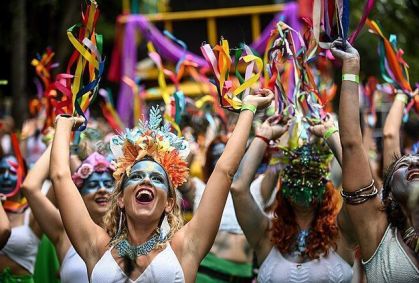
305	239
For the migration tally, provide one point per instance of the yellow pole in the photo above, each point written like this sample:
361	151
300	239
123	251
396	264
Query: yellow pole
212	30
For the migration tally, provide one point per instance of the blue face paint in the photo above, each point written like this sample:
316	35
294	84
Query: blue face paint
148	171
8	177
97	181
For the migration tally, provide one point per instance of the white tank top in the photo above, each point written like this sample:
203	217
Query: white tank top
229	222
277	269
22	246
164	268
73	269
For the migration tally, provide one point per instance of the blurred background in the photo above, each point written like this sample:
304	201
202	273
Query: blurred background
28	27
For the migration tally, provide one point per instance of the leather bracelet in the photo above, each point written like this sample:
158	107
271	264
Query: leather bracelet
249	107
266	140
350	77
330	132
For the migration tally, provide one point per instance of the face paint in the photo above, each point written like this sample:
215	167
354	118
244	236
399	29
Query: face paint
96	181
150	171
404	175
8	177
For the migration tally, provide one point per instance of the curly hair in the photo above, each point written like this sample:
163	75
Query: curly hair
323	232
392	208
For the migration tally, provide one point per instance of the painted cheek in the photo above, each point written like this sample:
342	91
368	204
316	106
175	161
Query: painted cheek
161	186
87	191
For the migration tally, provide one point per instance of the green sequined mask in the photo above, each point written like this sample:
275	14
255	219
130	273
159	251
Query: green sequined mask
304	178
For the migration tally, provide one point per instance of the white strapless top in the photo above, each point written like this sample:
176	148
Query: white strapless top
73	269
164	268
277	269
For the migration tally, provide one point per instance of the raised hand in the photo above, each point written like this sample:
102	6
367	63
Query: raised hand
348	55
74	121
321	128
273	127
261	98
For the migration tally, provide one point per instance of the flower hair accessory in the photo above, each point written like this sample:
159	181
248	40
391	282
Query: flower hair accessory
151	139
93	163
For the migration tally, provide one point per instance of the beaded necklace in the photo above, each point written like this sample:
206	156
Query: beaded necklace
301	242
125	249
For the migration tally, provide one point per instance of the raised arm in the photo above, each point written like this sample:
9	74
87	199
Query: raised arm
370	222
5	228
327	130
46	214
256	226
88	238
268	185
200	232
391	130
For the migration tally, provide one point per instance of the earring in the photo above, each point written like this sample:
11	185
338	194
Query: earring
164	228
121	214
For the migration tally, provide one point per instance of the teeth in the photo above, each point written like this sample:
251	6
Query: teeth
412	175
144	195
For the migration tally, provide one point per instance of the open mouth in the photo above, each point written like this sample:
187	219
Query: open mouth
413	175
144	196
102	201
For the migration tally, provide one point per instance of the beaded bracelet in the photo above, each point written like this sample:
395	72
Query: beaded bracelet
350	77
330	132
249	107
361	195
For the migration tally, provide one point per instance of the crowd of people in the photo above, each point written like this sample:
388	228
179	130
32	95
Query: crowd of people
256	197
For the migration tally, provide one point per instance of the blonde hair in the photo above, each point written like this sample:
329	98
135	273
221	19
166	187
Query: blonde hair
113	215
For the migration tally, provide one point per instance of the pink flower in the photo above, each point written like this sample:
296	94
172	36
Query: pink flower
78	181
85	171
101	167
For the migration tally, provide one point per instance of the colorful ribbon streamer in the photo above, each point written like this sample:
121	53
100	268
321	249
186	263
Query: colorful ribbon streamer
46	92
333	15
86	59
109	112
230	91
291	53
394	69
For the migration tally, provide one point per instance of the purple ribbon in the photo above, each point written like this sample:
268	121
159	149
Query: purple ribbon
173	52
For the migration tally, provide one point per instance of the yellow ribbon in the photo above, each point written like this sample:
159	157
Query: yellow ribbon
203	100
173	123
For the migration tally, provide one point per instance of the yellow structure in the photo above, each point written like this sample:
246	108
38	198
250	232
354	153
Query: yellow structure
210	15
